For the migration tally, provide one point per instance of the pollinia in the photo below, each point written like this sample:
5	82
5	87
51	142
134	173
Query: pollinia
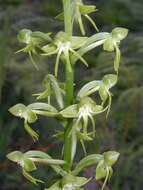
76	113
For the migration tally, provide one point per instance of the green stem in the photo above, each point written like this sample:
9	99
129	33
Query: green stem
69	74
69	100
67	16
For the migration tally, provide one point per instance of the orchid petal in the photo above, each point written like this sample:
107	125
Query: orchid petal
57	62
79	56
92	22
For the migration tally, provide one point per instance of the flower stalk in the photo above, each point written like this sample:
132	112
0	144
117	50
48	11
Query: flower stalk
69	75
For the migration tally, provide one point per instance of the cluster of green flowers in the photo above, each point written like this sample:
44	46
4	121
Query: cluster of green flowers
84	109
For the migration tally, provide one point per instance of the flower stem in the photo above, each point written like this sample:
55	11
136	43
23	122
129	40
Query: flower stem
67	16
69	74
69	100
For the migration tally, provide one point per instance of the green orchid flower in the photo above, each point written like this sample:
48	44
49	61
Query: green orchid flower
102	87
79	9
104	167
27	162
82	112
51	88
83	10
33	41
29	114
112	44
63	45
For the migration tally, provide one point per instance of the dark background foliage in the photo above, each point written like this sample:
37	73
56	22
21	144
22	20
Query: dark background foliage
123	131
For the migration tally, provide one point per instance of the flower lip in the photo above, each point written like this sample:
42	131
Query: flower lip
85	111
64	46
70	186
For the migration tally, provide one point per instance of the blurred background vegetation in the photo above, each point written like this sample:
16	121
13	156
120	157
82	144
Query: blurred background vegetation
122	131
